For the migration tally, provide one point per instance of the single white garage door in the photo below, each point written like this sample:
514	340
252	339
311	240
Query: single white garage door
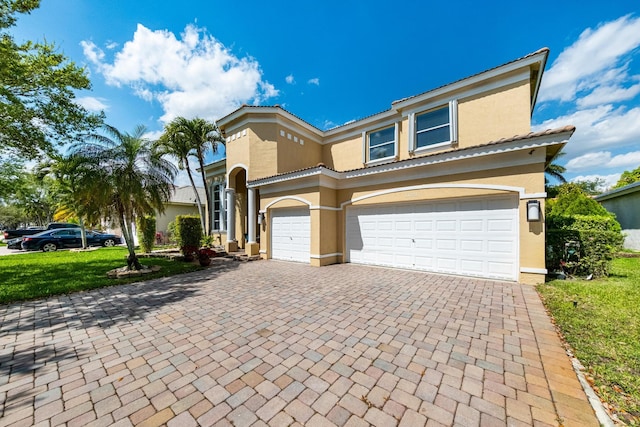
290	234
471	237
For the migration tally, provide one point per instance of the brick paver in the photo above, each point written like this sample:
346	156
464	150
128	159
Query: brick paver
274	343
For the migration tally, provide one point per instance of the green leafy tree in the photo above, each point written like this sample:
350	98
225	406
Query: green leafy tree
126	177
628	177
200	136
37	91
572	200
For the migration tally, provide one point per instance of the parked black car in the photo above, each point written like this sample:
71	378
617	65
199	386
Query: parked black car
14	243
52	240
11	234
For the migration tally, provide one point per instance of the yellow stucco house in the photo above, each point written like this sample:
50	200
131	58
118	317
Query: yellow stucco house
448	181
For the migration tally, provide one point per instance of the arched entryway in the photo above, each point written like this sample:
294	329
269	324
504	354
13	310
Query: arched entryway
241	212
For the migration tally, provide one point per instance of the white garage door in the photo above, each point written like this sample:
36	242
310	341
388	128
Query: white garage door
290	234
472	237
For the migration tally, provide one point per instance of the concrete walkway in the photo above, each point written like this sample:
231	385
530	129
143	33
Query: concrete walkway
279	344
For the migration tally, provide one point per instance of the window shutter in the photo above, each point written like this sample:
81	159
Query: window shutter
412	132
364	148
453	120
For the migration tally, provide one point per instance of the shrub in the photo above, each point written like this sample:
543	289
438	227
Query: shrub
146	230
572	200
172	235
188	234
583	244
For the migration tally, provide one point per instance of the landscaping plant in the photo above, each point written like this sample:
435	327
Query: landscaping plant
189	233
146	230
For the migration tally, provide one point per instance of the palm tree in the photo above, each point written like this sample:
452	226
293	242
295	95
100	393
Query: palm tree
123	173
65	171
554	170
174	143
200	135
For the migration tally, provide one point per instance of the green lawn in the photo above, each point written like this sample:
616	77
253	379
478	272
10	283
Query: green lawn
40	274
604	331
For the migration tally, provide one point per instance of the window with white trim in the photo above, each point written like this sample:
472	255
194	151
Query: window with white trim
435	127
381	144
218	208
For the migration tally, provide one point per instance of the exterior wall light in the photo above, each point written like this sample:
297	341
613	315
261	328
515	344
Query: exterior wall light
260	218
533	211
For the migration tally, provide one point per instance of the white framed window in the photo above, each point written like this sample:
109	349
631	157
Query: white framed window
218	208
380	144
434	128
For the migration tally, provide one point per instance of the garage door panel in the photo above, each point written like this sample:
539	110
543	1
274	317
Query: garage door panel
500	247
472	246
291	234
494	225
476	237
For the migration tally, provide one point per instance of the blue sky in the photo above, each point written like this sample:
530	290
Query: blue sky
331	62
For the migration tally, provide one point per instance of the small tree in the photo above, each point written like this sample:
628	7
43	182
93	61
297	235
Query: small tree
581	234
146	230
189	233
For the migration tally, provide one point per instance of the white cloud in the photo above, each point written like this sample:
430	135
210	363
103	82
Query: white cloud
111	45
598	128
92	104
92	52
289	79
314	81
591	61
604	160
192	76
609	180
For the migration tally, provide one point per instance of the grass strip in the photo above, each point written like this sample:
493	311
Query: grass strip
600	319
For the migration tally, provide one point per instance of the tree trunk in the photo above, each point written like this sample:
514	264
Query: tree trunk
198	202
132	260
207	228
83	232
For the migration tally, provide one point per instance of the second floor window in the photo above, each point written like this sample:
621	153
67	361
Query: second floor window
433	127
382	143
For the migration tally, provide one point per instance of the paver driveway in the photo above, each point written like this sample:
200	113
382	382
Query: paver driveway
274	343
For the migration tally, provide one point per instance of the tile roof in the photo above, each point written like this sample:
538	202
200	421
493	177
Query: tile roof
186	195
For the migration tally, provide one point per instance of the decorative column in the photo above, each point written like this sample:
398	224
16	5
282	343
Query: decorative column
232	244
251	195
252	247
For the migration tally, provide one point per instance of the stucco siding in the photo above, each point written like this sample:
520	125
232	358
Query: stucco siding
170	214
493	115
627	208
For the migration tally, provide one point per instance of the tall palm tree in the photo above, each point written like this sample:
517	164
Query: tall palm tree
201	136
174	143
123	173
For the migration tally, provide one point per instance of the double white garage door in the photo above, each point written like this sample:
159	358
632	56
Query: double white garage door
471	237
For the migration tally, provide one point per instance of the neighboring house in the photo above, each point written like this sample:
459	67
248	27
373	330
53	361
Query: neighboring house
625	203
439	182
182	202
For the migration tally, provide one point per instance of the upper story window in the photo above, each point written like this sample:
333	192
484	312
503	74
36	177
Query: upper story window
434	128
380	144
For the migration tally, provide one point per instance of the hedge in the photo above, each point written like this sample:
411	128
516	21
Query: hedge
146	230
188	234
582	244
